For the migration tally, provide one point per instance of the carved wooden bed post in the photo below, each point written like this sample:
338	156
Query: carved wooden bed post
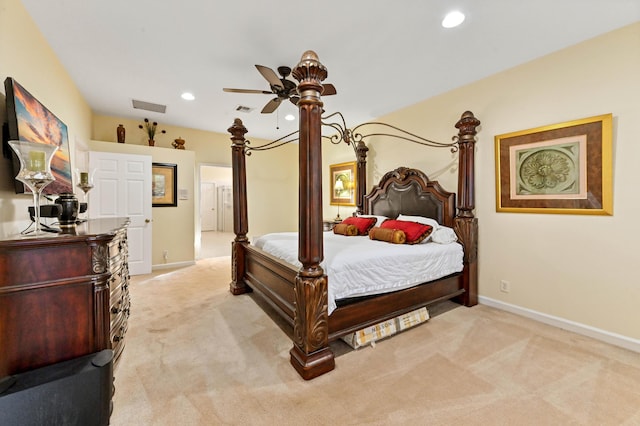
310	355
361	174
465	223
240	221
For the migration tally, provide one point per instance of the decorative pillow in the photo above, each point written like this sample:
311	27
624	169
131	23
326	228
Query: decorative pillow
362	223
345	229
414	231
395	236
424	220
420	219
444	235
379	220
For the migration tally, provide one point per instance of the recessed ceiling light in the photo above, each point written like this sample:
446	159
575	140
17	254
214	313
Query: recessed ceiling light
289	117
188	96
453	19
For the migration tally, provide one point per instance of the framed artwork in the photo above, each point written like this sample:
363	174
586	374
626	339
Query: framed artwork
164	181
560	168
29	120
343	184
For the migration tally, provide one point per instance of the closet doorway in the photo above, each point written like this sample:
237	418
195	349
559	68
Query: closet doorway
216	211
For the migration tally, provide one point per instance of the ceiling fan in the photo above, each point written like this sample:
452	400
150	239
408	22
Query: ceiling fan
283	88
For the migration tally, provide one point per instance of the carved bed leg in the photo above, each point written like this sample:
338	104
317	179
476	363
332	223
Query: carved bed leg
467	231
240	216
310	355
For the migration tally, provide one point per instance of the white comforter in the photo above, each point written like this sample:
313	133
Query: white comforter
358	266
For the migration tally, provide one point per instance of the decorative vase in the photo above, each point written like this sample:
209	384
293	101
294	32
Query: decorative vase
35	170
178	143
69	210
152	142
120	132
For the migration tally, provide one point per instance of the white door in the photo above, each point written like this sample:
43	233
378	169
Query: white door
123	189
208	216
225	209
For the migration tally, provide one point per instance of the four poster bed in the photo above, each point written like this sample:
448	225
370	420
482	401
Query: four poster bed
299	294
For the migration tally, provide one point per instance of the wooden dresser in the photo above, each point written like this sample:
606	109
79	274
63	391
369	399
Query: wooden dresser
63	295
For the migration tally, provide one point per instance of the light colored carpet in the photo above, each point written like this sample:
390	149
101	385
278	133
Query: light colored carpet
197	355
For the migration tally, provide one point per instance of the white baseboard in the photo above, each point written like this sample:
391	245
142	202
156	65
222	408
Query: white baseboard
173	265
575	327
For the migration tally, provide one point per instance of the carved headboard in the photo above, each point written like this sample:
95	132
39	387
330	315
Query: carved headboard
410	192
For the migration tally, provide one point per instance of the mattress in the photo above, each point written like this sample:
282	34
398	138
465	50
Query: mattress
357	266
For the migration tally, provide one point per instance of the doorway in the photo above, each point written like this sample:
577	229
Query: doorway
216	211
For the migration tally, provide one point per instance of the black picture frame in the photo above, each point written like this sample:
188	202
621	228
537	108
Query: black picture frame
164	181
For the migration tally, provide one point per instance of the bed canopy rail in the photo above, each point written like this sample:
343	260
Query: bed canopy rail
311	355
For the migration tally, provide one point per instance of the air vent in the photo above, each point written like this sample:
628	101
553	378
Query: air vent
243	108
148	106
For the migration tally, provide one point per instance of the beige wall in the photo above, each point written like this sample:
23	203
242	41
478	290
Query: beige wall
272	176
27	57
173	227
579	268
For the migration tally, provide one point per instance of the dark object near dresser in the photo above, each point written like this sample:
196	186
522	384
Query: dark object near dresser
73	392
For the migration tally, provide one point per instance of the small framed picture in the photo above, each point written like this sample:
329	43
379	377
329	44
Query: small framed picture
164	181
343	184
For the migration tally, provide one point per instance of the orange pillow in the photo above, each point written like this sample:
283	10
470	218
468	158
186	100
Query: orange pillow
362	223
344	229
389	235
415	232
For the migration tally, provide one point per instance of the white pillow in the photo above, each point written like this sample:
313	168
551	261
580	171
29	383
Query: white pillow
379	219
420	219
444	235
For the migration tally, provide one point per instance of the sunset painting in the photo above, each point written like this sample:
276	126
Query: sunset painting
31	121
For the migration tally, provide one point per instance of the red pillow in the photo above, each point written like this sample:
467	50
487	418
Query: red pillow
362	223
414	231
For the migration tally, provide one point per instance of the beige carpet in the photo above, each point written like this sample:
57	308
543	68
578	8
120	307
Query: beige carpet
196	355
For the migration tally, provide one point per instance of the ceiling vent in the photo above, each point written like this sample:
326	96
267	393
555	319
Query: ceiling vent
148	106
243	108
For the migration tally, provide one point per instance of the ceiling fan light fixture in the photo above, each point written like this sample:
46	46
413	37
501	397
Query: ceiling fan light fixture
187	96
453	19
289	117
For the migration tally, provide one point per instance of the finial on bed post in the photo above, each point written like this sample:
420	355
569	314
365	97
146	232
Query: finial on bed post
361	175
240	218
465	223
310	355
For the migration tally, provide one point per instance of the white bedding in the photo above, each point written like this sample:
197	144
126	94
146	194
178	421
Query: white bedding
358	266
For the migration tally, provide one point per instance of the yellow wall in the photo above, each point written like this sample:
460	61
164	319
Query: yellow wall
578	268
27	57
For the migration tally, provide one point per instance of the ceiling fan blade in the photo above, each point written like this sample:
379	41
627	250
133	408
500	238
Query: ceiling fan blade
266	92
294	99
328	89
270	75
271	106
